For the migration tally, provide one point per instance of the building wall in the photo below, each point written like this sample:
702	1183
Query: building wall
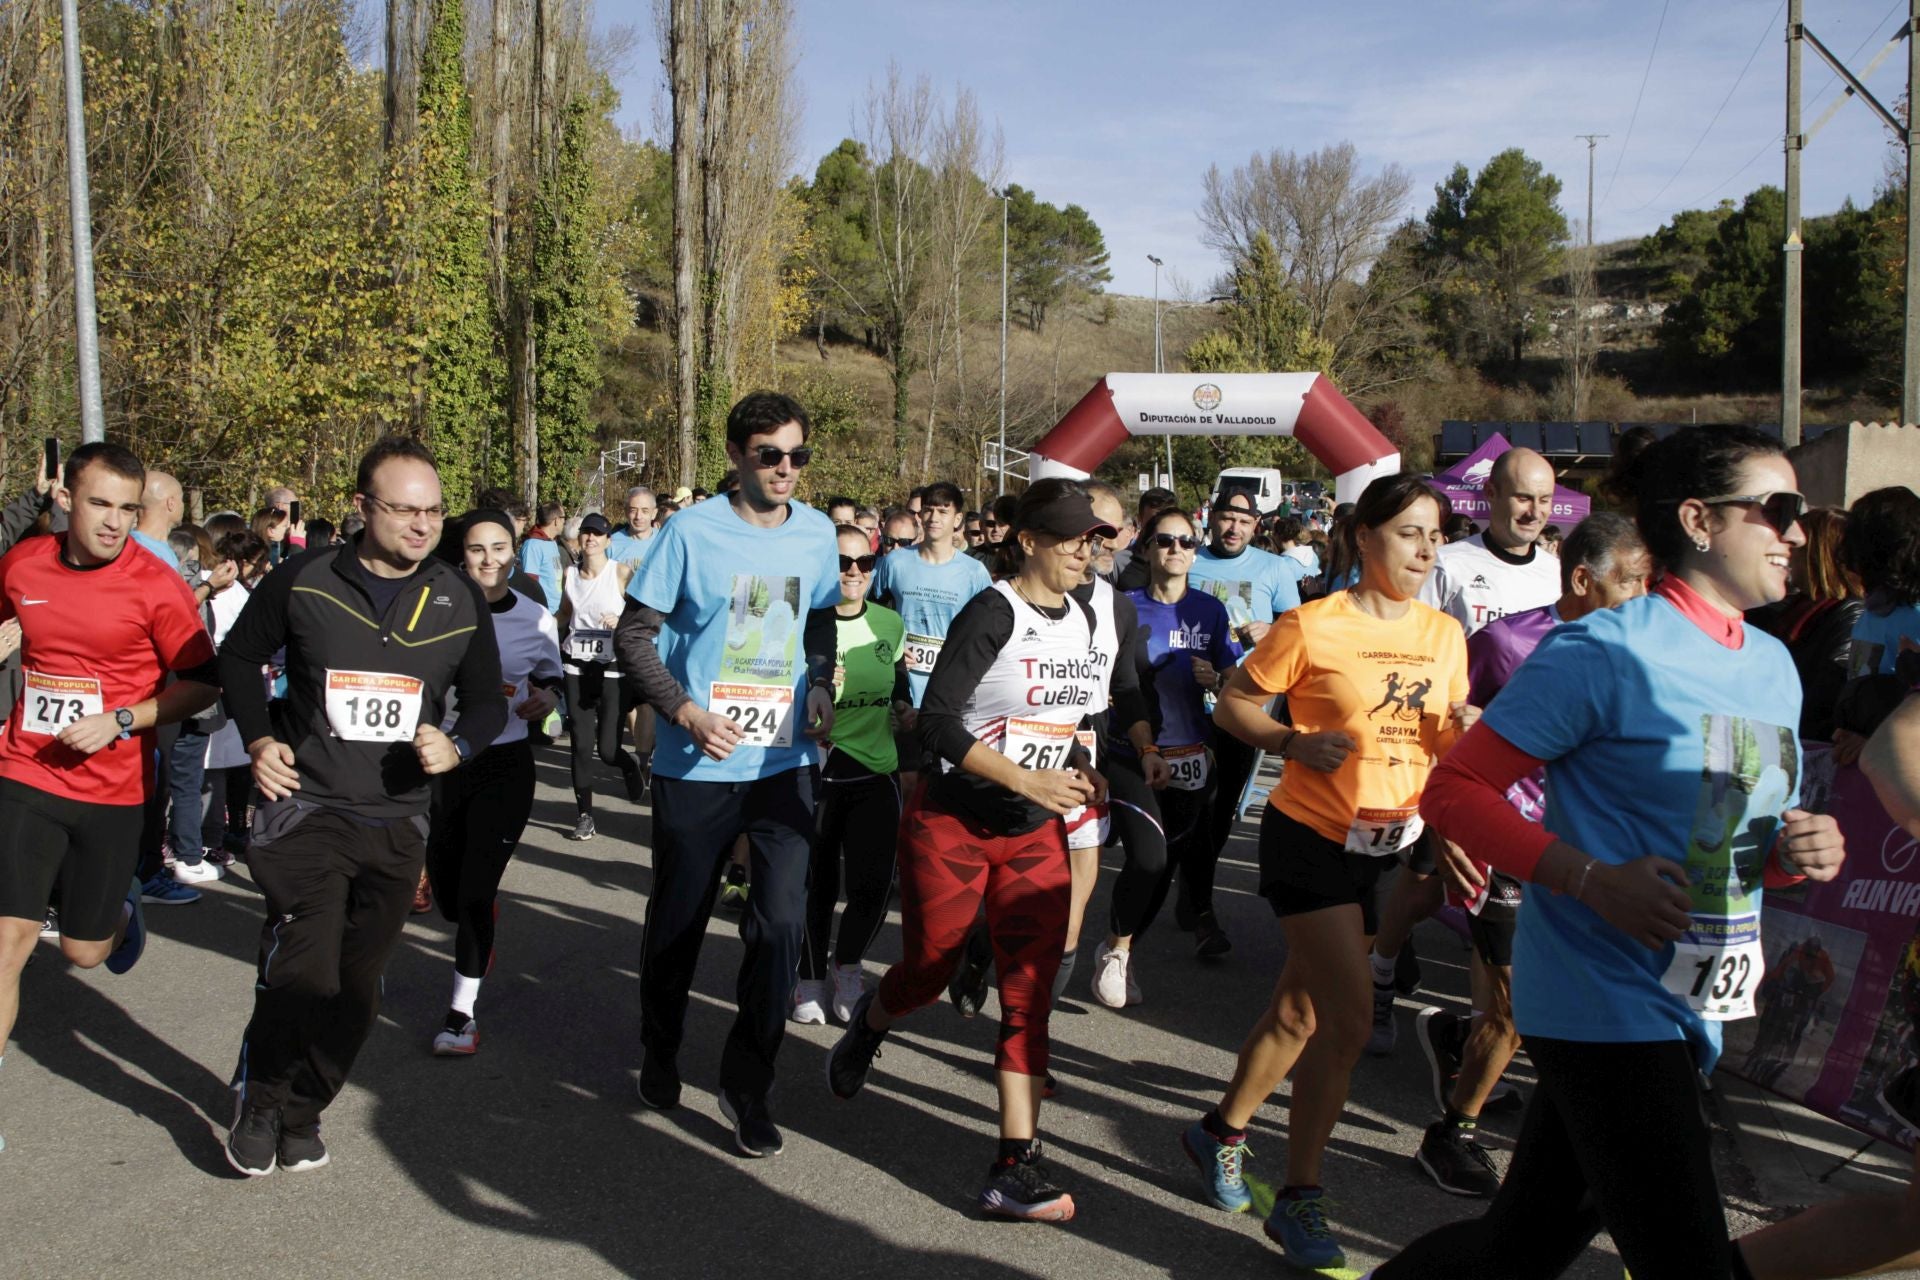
1841	465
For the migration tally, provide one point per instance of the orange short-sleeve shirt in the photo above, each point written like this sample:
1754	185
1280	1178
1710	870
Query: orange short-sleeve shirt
1389	684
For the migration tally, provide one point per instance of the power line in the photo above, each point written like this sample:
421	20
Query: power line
1757	46
1632	119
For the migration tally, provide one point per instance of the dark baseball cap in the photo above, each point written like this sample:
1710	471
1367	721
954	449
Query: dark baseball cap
1237	500
594	522
1068	516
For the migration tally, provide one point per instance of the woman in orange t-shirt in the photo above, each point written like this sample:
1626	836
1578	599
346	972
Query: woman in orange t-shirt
1376	687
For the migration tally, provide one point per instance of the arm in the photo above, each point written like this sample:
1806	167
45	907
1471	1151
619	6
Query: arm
820	643
476	682
1891	762
19	515
256	635
637	652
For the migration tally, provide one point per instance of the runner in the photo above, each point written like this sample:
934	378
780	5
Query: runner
1664	724
480	810
996	520
1000	713
629	544
1604	564
597	699
1882	546
377	633
859	814
1345	805
541	555
731	638
1187	651
101	623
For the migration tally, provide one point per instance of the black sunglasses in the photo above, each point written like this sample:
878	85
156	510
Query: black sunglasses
863	563
888	542
769	457
1782	510
1168	541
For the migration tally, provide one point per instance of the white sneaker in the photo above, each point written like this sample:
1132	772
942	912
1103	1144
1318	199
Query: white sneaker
808	994
849	984
1110	976
1133	984
202	872
458	1044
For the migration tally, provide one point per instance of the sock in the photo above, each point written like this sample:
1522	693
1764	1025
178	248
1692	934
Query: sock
465	991
1016	1151
583	802
1217	1127
1306	1192
1382	967
1065	975
1458	1120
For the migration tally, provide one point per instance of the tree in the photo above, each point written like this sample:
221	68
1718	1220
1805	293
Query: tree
1267	329
897	123
1729	321
1497	241
1052	253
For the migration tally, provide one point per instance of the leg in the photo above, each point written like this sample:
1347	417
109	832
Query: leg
447	837
496	815
694	824
186	771
239	798
1333	974
1141	885
1492	1042
583	702
823	875
779	813
613	703
1854	1236
1083	874
1412	899
153	832
871	848
1027	900
1233	765
943	879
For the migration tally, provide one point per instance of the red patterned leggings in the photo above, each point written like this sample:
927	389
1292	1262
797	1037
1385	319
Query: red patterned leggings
948	867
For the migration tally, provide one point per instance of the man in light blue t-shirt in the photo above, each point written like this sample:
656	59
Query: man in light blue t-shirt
629	543
540	554
729	634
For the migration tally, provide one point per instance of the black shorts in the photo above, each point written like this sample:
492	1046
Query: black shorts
1301	871
1492	929
88	849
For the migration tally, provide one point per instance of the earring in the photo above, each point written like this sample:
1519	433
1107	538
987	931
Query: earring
1701	544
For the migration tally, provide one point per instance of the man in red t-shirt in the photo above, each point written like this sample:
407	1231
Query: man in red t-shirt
102	624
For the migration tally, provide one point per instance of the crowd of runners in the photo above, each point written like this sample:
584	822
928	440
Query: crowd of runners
1588	745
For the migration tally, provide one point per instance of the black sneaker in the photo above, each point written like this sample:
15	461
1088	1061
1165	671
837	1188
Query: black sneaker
754	1132
852	1055
1406	970
301	1148
659	1086
254	1140
1210	941
583	828
1457	1164
1439	1035
968	986
1025	1190
636	785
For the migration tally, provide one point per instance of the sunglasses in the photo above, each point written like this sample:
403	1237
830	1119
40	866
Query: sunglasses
863	563
1782	510
768	456
888	542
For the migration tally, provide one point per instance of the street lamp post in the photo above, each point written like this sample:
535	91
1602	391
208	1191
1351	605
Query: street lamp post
93	426
1003	340
1157	264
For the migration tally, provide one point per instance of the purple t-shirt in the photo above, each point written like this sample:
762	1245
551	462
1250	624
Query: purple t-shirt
1494	653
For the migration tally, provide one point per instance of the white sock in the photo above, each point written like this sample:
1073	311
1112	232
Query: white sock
1382	967
465	991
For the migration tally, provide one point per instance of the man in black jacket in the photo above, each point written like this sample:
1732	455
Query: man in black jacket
377	633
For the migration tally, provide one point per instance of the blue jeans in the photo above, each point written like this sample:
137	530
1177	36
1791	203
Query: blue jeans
186	771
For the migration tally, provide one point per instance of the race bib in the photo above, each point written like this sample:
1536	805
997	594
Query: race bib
1384	831
369	706
1087	825
51	703
1037	744
764	712
1717	967
921	652
1189	766
590	646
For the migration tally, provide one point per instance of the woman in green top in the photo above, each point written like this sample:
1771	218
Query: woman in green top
858	816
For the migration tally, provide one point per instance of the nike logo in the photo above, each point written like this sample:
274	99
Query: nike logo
24	602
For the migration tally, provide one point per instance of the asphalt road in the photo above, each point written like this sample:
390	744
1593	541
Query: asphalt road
534	1158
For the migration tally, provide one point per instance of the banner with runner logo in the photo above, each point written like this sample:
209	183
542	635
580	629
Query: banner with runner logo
1835	1012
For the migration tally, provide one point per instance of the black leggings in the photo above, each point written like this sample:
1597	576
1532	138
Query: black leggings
857	818
1182	841
1615	1138
1232	766
479	811
597	704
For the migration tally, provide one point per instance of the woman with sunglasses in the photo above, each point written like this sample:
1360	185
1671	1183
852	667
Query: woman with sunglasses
1668	732
593	595
858	817
1002	709
1376	684
1187	652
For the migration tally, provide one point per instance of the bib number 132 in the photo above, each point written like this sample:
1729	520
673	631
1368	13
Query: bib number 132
1718	982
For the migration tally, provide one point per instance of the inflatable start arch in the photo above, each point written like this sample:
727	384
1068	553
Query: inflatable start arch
1305	406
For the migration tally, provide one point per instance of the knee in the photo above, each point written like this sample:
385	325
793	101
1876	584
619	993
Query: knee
1293	1017
86	955
17	940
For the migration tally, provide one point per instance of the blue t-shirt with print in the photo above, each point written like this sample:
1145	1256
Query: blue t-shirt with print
540	557
927	597
1194	626
736	598
1876	639
1658	740
1256	585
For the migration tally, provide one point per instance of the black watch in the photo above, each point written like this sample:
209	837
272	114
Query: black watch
461	746
124	718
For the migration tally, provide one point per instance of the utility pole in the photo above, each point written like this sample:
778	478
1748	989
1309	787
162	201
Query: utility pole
93	419
1592	140
1157	264
1791	247
1003	342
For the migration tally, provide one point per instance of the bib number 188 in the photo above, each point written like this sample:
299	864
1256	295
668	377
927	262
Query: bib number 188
374	713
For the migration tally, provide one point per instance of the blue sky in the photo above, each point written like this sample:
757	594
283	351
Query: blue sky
1120	106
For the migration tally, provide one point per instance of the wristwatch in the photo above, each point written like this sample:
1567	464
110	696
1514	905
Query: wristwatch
462	748
124	718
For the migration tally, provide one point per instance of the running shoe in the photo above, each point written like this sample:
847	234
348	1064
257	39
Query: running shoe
809	1002
1406	970
205	871
422	896
583	828
1219	1163
852	1055
1439	1035
1457	1164
50	927
219	855
166	891
659	1084
300	1148
734	889
1210	941
636	784
849	984
754	1132
968	986
1025	1190
1385	1033
254	1140
457	1042
1299	1226
1110	975
133	938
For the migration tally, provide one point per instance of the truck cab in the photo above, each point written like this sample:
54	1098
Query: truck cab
1264	484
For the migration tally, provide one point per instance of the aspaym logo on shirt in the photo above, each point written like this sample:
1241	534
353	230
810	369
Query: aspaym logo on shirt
1408	698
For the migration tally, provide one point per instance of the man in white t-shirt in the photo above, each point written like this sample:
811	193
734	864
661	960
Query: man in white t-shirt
1503	570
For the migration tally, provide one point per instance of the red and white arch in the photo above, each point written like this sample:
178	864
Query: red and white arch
1306	406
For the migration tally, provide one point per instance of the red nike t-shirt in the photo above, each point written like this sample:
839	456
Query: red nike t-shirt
92	640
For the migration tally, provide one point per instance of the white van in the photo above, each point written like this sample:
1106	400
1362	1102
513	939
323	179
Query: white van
1265	484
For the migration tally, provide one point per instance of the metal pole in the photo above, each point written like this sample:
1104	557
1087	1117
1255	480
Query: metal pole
1910	365
86	323
1156	311
1003	341
1790	303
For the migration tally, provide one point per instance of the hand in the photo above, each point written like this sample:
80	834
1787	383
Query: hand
1322	751
1645	899
1156	769
538	706
1461	873
42	482
1812	844
1058	791
1097	780
1255	632
1204	675
9	638
905	716
224	575
715	735
435	749
1847	746
819	713
1464	716
608	621
90	733
273	769
298	531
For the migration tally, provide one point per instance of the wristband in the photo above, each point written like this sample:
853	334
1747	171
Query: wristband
1579	886
1151	749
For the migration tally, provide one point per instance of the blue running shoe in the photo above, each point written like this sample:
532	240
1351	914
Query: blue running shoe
134	940
167	891
1219	1163
1300	1228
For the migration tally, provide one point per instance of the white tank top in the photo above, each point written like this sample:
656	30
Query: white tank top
1043	682
592	597
1105	646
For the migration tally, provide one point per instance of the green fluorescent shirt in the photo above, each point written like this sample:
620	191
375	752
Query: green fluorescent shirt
866	650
